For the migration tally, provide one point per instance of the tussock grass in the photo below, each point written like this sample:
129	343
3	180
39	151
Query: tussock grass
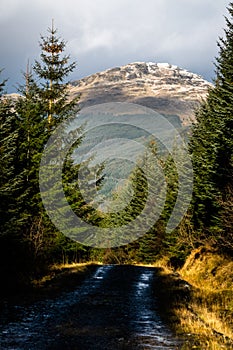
202	310
164	264
205	265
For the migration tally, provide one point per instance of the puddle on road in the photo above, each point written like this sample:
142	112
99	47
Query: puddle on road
101	272
143	283
149	328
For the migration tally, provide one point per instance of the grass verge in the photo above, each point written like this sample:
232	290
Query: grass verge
197	301
63	277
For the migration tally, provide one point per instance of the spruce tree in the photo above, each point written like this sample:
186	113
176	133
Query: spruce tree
13	256
46	103
52	71
212	144
8	141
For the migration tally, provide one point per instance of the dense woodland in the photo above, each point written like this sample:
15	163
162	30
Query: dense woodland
30	243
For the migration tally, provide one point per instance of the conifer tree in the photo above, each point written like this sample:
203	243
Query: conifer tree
52	71
212	143
8	141
13	258
45	104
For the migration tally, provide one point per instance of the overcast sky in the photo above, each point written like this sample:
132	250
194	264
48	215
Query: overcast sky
101	34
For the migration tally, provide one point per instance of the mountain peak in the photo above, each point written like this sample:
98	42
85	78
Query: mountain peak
164	87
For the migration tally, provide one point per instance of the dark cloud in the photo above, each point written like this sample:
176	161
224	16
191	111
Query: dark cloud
102	33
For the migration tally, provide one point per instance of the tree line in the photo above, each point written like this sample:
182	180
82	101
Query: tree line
29	243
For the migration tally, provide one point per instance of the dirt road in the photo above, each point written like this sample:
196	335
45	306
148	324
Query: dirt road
115	308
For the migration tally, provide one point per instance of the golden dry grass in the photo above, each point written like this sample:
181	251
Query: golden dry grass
205	265
206	314
61	271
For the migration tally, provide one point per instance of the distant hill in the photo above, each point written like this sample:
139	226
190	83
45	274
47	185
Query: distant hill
168	89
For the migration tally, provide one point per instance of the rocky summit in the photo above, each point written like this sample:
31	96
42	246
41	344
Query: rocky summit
168	89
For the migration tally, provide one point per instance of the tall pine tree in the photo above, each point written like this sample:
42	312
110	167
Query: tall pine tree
52	71
212	147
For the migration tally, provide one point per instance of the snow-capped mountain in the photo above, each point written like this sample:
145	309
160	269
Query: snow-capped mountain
166	88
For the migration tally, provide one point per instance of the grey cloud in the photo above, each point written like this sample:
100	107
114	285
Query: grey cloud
102	33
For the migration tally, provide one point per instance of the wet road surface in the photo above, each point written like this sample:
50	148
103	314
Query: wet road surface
114	308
